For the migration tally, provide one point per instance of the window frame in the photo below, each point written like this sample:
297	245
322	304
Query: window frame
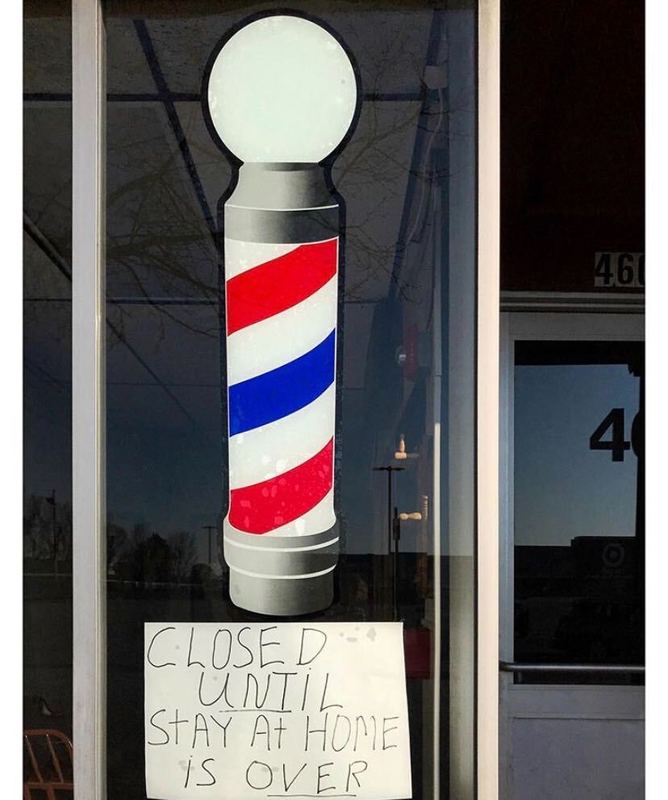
88	400
575	324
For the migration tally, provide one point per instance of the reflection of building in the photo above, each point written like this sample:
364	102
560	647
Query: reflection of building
578	603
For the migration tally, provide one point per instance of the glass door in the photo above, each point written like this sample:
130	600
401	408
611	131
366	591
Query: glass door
224	366
573	552
578	504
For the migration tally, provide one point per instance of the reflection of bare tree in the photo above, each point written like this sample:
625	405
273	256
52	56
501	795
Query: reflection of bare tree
182	545
117	542
140	555
374	177
47	530
147	557
160	247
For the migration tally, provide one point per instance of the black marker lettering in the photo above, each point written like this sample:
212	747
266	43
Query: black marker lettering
308	675
324	693
285	676
229	648
279	729
386	731
264	732
322	775
148	652
190	650
223	692
336	725
210	774
301	663
190	761
297	774
222	727
268	771
176	722
357	729
309	731
198	729
263	644
245	647
352	773
258	704
162	730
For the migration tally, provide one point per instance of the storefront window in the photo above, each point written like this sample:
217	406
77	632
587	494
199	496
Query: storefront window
387	220
47	396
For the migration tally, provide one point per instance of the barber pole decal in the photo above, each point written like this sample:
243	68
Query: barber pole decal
281	96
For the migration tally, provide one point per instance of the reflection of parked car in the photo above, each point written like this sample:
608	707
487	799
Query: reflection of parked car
595	631
536	622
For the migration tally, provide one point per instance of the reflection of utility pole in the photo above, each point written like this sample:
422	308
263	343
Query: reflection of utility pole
396	535
54	533
390	521
397	519
389	469
209	528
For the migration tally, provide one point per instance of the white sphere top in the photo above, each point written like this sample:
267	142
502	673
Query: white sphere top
282	89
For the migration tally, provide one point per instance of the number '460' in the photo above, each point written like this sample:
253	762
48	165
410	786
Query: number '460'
617	444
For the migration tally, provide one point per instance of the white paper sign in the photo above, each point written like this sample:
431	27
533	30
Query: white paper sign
279	710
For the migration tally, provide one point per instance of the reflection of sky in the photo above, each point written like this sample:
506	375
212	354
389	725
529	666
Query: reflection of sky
169	475
165	455
167	478
562	488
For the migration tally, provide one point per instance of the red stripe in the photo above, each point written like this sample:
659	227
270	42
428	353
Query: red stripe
278	284
267	505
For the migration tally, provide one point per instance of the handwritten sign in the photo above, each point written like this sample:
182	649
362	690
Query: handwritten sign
276	711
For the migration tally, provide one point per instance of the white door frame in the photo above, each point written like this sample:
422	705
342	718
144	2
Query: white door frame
487	400
587	319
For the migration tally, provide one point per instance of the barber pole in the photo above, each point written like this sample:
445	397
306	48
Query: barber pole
281	311
281	256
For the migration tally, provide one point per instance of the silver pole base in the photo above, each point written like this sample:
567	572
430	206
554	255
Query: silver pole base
281	597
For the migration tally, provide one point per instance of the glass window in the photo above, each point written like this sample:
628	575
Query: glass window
404	355
569	223
579	503
47	396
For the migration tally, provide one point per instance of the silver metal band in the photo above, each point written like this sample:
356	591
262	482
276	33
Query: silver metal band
276	597
281	557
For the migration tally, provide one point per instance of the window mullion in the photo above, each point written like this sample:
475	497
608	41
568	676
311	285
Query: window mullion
88	392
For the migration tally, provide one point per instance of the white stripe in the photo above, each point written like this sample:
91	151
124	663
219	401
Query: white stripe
318	520
233	542
284	577
270	450
242	256
282	338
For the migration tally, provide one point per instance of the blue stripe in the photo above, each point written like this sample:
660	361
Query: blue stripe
283	390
